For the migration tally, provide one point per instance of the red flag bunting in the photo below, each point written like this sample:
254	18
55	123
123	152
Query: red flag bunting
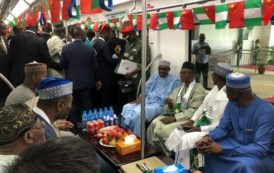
236	14
66	4
55	11
127	24
170	20
90	7
139	22
153	21
268	10
210	12
35	17
95	27
187	20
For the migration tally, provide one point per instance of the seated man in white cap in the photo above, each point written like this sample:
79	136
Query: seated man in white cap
205	118
19	128
55	99
244	140
34	73
158	88
180	107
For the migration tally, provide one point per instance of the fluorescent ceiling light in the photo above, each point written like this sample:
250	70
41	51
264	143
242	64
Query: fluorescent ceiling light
19	8
30	1
117	2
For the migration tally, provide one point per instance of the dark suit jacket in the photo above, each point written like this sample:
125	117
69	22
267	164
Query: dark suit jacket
106	63
26	47
80	65
4	70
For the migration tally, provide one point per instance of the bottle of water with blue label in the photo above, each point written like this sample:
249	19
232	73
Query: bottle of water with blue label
90	115
111	111
100	113
84	120
95	114
116	120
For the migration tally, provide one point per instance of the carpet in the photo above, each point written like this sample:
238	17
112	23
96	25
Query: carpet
267	67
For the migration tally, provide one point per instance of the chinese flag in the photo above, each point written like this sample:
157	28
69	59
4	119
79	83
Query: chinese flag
268	10
170	20
139	22
66	4
153	21
28	20
55	11
34	17
236	14
187	20
210	12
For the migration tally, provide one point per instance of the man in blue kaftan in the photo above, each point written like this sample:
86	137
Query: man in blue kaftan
244	140
158	88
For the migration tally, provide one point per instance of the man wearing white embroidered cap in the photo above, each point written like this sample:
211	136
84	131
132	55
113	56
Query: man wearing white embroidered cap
205	118
55	99
35	72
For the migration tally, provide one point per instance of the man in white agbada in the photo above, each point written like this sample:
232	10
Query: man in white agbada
184	136
158	88
55	45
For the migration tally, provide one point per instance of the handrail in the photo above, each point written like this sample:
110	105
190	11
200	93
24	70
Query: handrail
148	66
6	81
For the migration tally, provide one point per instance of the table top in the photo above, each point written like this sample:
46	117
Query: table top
114	158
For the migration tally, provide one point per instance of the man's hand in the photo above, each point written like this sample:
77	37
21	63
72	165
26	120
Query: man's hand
204	141
189	123
169	102
193	129
168	119
63	124
98	85
128	75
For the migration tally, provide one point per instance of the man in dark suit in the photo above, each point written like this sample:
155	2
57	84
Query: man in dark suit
4	64
107	63
80	64
26	47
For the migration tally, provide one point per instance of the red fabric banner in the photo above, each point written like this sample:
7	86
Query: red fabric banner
268	10
187	20
170	20
236	14
55	11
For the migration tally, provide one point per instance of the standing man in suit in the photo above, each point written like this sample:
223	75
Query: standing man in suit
4	64
107	63
80	65
26	47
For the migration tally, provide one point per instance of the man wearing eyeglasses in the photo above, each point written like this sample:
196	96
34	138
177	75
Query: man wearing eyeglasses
19	127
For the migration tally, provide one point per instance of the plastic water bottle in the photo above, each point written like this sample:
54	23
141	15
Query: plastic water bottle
100	113
95	114
84	120
111	111
107	122
90	115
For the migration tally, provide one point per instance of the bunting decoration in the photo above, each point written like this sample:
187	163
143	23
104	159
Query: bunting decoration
236	14
206	15
268	10
153	21
55	8
170	20
243	13
221	16
187	20
253	13
65	9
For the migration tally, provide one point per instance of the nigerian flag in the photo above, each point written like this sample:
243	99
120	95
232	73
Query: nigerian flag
221	16
177	19
253	13
162	21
